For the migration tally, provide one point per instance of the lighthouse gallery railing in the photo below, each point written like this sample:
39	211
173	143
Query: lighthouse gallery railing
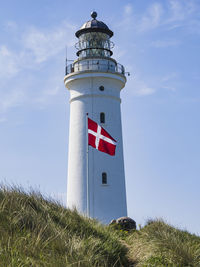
100	65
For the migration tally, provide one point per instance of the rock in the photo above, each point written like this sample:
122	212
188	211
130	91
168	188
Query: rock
112	222
126	223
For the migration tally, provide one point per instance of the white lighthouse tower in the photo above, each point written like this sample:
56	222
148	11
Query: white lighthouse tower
96	181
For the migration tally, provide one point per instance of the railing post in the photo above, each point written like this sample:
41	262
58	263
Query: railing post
123	70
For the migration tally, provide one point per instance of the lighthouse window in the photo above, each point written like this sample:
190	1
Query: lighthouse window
104	178
102	117
101	88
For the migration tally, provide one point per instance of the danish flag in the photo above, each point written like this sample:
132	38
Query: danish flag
100	139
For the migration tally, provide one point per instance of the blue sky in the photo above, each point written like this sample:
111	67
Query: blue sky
158	43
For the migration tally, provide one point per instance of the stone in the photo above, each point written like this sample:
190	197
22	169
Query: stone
126	223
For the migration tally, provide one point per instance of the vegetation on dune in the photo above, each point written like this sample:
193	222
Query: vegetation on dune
38	232
35	231
159	244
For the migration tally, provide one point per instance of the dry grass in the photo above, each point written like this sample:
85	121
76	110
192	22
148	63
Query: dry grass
159	244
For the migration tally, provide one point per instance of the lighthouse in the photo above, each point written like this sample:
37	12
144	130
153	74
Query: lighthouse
96	180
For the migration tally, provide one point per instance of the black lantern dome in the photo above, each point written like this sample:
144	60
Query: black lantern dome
94	39
94	25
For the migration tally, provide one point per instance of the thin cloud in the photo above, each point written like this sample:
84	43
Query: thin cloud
169	77
35	47
165	43
46	44
152	18
12	99
181	10
10	26
175	14
128	9
169	88
9	62
127	22
141	88
145	87
144	91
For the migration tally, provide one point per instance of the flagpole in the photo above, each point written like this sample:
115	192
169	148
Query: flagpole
87	158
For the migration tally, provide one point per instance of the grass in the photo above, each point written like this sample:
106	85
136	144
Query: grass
159	244
39	232
35	231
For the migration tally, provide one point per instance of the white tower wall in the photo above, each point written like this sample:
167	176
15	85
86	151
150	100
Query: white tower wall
106	201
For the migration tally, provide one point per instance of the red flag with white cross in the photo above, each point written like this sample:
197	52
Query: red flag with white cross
100	139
